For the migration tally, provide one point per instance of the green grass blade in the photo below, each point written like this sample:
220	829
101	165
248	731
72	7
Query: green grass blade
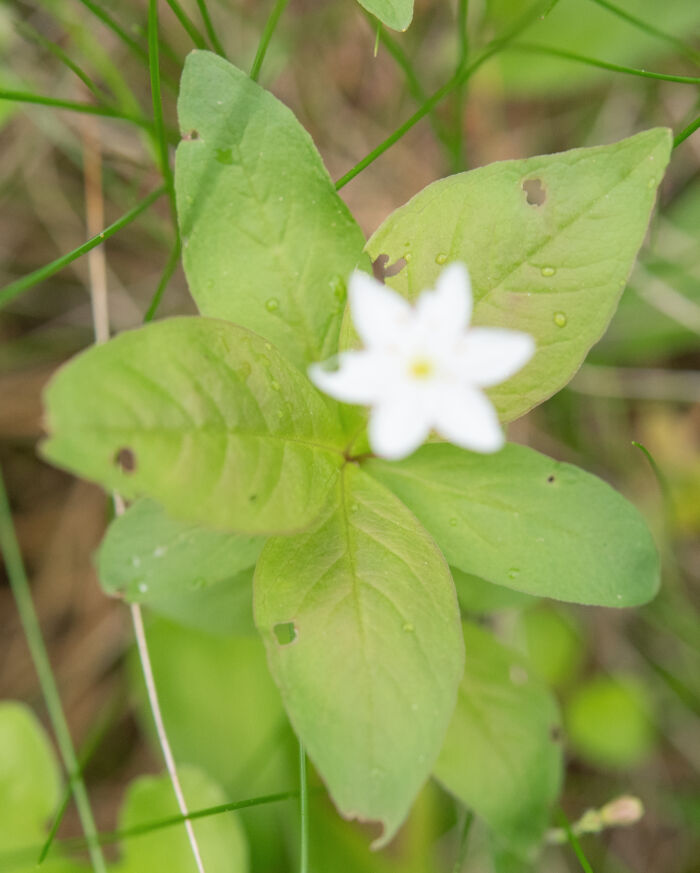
303	813
574	842
209	27
462	75
188	25
32	34
86	108
170	267
14	289
30	625
686	132
603	65
651	29
119	31
268	30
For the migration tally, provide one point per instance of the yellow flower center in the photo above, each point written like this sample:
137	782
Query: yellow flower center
421	368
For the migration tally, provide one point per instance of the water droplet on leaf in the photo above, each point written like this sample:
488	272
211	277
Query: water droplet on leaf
513	573
453	522
441	258
224	156
408	627
560	319
272	304
548	271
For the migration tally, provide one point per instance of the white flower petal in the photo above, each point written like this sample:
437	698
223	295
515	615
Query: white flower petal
397	427
466	417
361	377
490	355
448	309
378	313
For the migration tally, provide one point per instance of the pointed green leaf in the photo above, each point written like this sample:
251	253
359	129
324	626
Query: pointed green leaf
203	416
502	757
396	14
555	270
520	519
151	798
369	670
200	577
267	242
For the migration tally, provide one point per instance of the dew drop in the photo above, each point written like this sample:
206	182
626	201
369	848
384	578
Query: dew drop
338	289
407	257
159	552
560	319
441	258
197	583
548	271
272	304
354	507
453	522
275	385
408	627
513	573
142	587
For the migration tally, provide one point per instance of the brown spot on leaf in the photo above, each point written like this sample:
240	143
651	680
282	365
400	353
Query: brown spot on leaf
125	459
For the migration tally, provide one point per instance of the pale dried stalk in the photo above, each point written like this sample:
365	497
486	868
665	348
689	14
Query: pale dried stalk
97	271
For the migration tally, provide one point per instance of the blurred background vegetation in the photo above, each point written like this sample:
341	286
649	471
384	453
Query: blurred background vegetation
628	681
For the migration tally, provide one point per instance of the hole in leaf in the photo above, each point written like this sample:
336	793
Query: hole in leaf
125	459
550	478
382	271
190	135
285	632
535	192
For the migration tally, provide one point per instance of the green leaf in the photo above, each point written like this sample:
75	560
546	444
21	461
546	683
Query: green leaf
370	676
267	242
396	14
520	519
501	756
203	416
554	270
200	577
151	798
609	722
29	778
479	596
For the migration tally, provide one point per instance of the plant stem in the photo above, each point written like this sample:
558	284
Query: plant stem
574	843
87	108
14	289
30	625
651	29
303	812
168	271
209	27
189	26
268	30
686	132
460	76
603	65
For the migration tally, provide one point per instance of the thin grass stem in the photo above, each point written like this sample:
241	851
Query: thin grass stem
462	75
209	27
651	29
14	289
166	276
188	25
159	123
303	813
686	132
603	65
74	106
30	624
32	34
119	31
266	36
574	842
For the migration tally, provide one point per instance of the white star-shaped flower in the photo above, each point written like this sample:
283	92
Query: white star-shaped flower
423	368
